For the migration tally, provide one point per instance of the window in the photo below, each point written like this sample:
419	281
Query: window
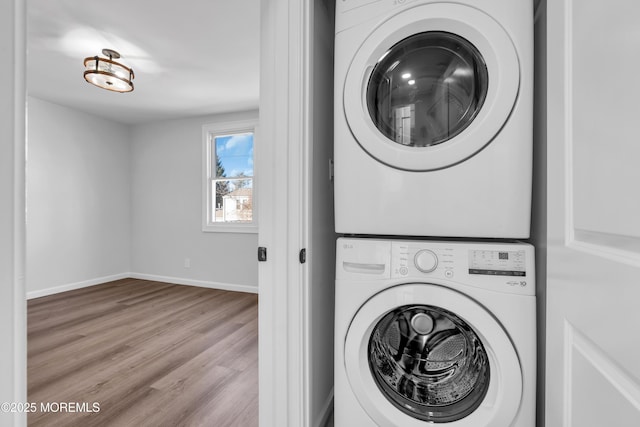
229	187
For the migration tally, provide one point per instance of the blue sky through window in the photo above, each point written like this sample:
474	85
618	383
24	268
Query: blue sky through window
235	153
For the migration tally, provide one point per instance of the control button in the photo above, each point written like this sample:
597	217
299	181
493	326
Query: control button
404	271
448	274
426	261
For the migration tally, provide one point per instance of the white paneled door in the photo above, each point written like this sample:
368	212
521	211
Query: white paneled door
593	288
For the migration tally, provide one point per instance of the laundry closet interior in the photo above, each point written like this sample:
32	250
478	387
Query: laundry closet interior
435	299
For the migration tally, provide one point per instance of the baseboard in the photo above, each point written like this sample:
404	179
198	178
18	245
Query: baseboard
327	410
199	283
76	285
153	277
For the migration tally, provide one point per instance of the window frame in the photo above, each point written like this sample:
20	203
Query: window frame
209	133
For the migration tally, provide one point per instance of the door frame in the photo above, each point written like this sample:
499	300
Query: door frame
12	211
284	132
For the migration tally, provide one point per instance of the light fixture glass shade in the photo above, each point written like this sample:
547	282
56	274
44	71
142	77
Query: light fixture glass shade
107	73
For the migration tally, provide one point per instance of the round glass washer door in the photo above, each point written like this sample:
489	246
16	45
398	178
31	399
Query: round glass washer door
431	86
417	353
429	363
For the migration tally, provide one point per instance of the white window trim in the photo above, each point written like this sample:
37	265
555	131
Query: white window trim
226	128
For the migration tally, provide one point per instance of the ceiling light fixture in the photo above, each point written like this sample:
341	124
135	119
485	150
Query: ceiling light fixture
107	73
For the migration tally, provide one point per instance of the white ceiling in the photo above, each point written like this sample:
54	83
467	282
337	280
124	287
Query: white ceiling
190	57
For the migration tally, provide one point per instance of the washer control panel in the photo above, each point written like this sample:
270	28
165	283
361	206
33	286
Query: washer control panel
497	262
497	266
500	266
412	258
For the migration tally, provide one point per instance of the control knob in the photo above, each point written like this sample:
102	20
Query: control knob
425	260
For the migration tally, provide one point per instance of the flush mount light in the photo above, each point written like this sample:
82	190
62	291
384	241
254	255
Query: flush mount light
107	73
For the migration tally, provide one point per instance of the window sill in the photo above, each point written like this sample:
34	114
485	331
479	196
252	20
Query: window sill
231	228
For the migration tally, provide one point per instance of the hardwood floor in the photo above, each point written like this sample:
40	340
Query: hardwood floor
148	353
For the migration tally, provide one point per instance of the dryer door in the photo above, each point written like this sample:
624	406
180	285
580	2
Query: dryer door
418	353
431	86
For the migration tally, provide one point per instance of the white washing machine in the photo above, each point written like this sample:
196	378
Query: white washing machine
434	332
433	117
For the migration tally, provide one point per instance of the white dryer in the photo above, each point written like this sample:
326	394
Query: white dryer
433	117
434	332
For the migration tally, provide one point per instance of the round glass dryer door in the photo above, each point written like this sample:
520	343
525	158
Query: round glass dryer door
427	89
421	353
431	86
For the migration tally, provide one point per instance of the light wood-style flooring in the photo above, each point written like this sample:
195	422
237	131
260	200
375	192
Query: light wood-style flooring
149	353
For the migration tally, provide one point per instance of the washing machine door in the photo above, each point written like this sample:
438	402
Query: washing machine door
431	86
422	353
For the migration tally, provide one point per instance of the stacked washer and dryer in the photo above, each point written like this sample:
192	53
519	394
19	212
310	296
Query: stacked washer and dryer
435	299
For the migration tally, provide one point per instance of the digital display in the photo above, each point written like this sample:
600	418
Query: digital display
497	263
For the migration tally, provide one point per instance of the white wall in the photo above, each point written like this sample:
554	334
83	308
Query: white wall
166	183
78	199
322	239
108	200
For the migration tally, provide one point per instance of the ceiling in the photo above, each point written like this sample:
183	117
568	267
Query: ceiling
190	57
